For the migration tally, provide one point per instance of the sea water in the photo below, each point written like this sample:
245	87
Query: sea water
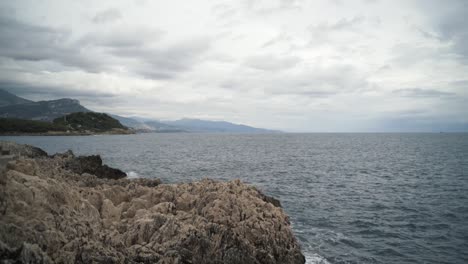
351	198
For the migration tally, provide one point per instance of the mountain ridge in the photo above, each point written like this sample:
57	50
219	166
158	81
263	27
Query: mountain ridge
48	110
199	125
7	98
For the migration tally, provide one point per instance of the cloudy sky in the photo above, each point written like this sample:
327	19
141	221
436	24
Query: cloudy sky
294	65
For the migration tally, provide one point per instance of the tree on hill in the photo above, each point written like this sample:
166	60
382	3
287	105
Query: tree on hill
90	121
14	125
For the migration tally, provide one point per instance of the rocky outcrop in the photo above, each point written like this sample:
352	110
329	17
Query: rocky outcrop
50	214
12	148
92	165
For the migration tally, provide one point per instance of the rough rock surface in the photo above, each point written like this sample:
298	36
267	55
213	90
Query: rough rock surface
92	165
12	148
49	214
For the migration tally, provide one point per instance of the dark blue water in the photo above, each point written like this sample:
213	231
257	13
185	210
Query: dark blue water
352	198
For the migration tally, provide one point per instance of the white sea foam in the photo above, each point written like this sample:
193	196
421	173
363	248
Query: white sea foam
132	175
313	258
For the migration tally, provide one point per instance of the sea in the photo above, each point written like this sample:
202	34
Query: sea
351	198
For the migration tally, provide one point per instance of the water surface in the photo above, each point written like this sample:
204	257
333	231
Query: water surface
352	198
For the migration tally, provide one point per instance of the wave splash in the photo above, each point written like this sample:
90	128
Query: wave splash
313	258
132	175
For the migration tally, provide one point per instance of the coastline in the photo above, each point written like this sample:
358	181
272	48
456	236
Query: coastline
116	219
72	133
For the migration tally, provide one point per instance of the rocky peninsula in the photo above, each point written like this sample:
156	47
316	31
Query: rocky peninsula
68	209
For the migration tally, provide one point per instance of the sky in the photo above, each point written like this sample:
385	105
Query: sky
292	65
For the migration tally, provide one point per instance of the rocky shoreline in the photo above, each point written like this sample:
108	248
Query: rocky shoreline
68	209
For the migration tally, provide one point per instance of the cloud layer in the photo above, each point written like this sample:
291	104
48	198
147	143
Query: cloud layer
287	64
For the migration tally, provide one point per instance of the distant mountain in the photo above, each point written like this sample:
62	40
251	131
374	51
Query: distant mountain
17	107
12	106
188	125
7	98
130	122
164	127
148	126
197	125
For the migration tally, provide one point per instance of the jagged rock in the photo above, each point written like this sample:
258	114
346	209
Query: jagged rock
271	200
26	253
53	215
19	150
92	165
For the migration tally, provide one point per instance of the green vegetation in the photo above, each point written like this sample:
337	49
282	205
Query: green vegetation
80	122
88	121
14	125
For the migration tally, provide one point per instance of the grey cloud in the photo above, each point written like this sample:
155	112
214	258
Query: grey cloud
322	82
346	23
145	59
223	11
291	4
270	62
449	24
315	82
129	47
409	54
422	93
325	32
282	5
280	38
26	89
342	24
107	16
459	84
122	37
429	35
337	2
26	42
165	63
221	58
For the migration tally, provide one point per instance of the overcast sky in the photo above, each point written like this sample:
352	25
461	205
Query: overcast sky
294	65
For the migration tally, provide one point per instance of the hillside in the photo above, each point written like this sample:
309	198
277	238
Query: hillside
89	121
14	125
7	98
73	124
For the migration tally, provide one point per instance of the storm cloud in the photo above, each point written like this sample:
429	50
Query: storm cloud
292	65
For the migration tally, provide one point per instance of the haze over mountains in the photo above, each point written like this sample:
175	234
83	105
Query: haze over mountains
12	106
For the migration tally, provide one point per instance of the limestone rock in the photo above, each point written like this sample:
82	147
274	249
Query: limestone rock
26	253
50	214
12	148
